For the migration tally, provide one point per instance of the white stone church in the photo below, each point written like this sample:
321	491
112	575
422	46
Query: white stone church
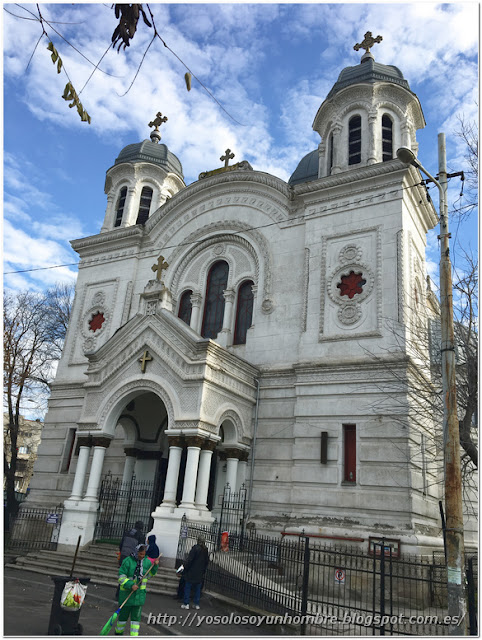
240	330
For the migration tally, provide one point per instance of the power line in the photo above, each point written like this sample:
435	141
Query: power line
184	244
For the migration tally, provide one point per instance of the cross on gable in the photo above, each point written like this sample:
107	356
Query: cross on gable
160	266
144	360
158	120
368	42
227	157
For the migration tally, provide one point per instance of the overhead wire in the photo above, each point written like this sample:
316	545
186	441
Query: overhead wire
300	217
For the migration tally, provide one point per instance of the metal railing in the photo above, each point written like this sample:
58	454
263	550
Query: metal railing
325	590
36	529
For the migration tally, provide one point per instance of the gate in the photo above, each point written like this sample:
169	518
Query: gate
232	520
121	505
36	529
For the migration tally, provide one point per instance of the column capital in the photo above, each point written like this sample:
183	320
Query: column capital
209	445
196	299
222	455
131	452
176	441
84	441
233	452
194	441
243	455
101	441
229	295
148	455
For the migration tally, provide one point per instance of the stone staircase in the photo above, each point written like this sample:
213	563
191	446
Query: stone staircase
99	562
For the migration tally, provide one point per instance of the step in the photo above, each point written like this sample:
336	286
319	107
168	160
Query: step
90	568
104	579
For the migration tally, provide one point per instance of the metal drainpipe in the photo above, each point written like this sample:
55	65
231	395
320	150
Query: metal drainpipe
253	450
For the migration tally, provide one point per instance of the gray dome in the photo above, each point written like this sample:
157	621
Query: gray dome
307	169
368	71
147	151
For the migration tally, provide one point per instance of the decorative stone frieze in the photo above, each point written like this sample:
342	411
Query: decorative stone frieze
194	441
209	445
176	441
101	441
232	452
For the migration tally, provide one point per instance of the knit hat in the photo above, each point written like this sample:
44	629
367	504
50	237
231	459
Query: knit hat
139	525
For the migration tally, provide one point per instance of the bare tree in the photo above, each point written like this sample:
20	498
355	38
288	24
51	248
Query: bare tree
34	326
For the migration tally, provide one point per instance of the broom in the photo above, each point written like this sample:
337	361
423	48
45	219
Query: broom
110	622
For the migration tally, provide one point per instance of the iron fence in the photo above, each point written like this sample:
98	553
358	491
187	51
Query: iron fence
325	590
34	529
121	505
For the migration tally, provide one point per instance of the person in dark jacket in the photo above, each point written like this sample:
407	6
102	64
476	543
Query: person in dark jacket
130	540
152	548
194	570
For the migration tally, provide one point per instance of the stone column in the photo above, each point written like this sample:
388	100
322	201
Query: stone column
130	463
172	476
128	215
190	476
100	445
203	475
109	213
372	151
337	154
224	336
405	130
84	443
242	468
196	299
232	460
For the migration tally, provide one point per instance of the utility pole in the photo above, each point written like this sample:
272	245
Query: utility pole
456	604
453	478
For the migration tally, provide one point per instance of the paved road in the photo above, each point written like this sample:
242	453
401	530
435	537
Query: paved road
28	598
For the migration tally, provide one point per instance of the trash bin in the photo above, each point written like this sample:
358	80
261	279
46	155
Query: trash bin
63	622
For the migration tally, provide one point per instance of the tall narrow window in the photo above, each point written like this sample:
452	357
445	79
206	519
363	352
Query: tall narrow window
354	140
68	451
244	312
214	306
387	138
330	154
144	205
349	447
120	206
185	307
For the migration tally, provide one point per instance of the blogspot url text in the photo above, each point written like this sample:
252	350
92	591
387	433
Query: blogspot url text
195	619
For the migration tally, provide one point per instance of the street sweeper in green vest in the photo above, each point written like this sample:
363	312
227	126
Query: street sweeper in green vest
134	573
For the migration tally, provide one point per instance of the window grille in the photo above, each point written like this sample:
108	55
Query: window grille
387	138
185	307
214	305
144	205
120	206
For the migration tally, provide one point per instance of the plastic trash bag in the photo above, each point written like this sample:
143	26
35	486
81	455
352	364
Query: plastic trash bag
73	595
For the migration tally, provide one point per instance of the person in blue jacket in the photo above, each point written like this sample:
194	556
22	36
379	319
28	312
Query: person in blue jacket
152	548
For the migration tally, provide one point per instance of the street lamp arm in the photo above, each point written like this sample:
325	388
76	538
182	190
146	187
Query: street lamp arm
406	155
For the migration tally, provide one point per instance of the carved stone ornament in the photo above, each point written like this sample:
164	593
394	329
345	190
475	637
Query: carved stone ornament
209	445
99	298
219	249
233	453
350	253
95	321
334	281
350	313
267	306
89	345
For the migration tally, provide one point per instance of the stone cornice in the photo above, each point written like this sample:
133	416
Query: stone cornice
349	177
206	184
113	239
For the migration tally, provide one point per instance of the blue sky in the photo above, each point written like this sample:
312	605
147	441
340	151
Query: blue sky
270	65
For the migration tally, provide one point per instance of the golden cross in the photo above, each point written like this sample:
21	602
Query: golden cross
144	360
160	266
368	42
229	156
158	120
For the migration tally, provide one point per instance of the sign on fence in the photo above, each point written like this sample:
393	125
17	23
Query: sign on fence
52	518
340	576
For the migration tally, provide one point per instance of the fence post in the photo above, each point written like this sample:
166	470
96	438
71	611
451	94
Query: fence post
382	587
304	592
472	606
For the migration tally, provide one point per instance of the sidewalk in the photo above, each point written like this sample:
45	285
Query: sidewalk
28	598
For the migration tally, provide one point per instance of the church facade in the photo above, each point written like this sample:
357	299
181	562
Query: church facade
245	330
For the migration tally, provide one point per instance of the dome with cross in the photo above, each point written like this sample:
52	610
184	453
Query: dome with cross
152	152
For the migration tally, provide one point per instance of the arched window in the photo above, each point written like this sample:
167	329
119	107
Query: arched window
354	140
387	138
214	305
185	307
244	312
120	206
144	205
